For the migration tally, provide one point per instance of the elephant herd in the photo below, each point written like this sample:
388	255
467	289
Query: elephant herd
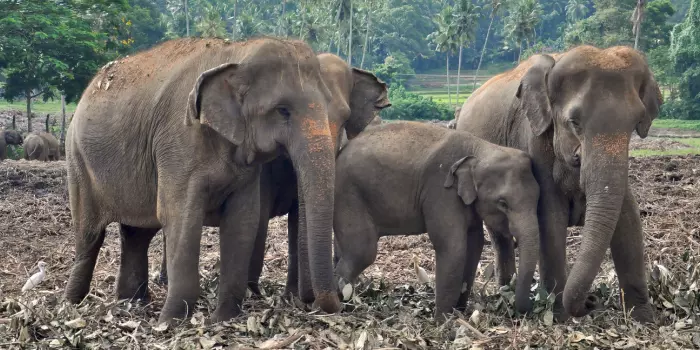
37	146
207	132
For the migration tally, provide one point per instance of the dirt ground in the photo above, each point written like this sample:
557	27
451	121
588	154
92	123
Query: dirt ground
392	311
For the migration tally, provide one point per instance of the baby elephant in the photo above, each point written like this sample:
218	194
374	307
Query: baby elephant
410	178
41	146
8	137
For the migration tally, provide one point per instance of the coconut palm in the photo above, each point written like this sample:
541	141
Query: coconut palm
495	9
576	10
466	21
445	39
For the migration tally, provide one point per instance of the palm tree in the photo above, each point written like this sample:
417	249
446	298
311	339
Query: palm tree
576	10
521	22
445	39
637	18
210	25
495	8
466	22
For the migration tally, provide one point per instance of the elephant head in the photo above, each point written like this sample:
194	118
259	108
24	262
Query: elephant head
12	137
276	101
588	101
505	193
359	96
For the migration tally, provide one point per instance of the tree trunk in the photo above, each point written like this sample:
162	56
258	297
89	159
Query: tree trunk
350	37
449	96
284	9
63	123
481	58
636	35
459	72
520	50
28	95
14	122
364	47
187	18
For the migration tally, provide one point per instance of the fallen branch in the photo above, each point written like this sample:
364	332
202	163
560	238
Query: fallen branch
471	328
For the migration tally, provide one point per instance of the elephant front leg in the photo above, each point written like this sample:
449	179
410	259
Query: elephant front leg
627	249
133	271
180	210
450	263
504	247
238	231
163	277
475	246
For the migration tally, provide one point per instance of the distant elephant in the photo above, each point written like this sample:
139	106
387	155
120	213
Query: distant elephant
174	137
453	123
9	137
36	148
54	152
410	178
574	113
358	96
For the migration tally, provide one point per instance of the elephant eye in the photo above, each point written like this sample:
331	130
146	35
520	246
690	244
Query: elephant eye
284	112
502	205
575	124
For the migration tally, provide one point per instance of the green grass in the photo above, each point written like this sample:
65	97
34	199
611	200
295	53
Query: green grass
39	107
694	143
677	124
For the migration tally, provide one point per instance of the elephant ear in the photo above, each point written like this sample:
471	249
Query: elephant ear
463	170
216	102
369	94
653	99
533	95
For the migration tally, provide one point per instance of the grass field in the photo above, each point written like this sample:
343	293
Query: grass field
53	107
693	143
677	124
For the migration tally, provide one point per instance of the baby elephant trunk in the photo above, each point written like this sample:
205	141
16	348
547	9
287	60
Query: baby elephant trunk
526	229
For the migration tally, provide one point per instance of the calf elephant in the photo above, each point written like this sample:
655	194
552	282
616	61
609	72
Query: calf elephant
358	96
410	178
174	137
9	137
574	113
41	146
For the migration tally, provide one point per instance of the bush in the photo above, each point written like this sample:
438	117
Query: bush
680	109
410	106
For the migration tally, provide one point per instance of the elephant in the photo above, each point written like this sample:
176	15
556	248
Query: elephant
574	113
36	148
9	137
358	96
453	123
53	152
410	178
174	137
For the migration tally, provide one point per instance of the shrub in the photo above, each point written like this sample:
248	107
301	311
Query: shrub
409	106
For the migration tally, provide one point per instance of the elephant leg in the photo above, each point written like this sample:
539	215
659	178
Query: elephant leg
505	255
292	286
133	272
356	237
180	211
627	250
163	277
238	230
257	260
450	254
475	246
89	236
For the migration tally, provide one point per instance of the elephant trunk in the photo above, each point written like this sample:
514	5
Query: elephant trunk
314	163
604	181
527	232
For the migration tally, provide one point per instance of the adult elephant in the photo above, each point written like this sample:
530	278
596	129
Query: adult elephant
9	137
574	113
174	136
358	96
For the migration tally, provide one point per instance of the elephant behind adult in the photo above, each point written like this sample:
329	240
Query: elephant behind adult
358	96
36	148
174	136
9	137
53	148
574	113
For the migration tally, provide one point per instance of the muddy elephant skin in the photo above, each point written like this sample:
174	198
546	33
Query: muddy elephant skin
410	178
175	137
574	113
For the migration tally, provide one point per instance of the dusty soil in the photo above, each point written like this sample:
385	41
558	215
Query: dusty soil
393	310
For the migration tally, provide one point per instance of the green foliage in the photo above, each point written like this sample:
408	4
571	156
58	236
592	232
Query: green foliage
523	17
409	106
685	55
393	68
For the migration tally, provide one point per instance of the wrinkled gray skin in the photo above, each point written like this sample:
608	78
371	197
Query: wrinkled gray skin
358	96
36	148
574	114
9	137
410	178
177	141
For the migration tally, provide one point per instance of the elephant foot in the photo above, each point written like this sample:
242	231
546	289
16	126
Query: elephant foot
581	308
225	313
328	302
643	313
255	288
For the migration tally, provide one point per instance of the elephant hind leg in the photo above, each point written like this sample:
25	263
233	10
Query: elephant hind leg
133	272
89	236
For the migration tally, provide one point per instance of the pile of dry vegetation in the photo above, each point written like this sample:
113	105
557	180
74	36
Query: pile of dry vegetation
391	310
